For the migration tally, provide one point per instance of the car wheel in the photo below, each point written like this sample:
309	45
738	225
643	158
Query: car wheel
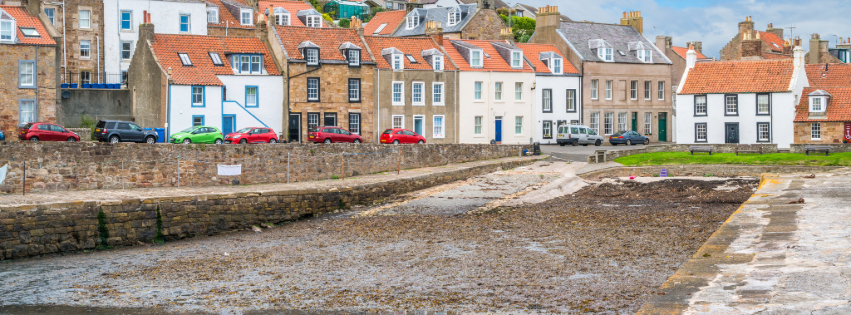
598	143
187	141
574	143
561	144
420	142
328	140
646	141
34	139
243	141
218	141
150	140
71	139
356	141
628	142
395	141
273	141
113	139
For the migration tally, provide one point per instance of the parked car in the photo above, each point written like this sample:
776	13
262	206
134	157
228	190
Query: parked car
628	138
397	136
41	131
578	134
116	131
198	134
331	135
252	135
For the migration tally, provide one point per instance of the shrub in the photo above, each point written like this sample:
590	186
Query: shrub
159	239
345	23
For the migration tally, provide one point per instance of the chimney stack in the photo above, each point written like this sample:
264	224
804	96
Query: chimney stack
357	25
634	19
691	57
817	47
413	4
746	27
434	31
775	31
798	56
146	29
751	44
547	20
506	34
698	46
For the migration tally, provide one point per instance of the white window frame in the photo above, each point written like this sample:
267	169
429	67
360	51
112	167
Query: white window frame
438	130
437	94
815	131
608	123
605	53
477	90
86	22
556	66
398	62
454	16
353	57
400	92
817	104
184	59
648	123
609	84
767	104
27	116
52	15
129	50
766	131
476	58
7	30
354	123
438	63
518	125
477	125
354	90
518	91
188	23
26	73
595	89
646	56
121	20
415	94
660	89
314	21
547	100
216	59
622	122
246	20
311	56
412	21
516	58
280	19
570	100
648	92
87	50
731	105
200	95
400	119
633	90
700	105
595	122
213	15
497	91
309	97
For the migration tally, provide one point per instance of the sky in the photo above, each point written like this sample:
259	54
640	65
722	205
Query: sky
714	22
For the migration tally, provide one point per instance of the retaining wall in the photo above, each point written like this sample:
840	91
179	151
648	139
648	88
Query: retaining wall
66	227
93	165
841	147
719	148
705	170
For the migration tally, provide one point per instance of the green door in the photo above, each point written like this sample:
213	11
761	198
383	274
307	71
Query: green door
663	127
634	121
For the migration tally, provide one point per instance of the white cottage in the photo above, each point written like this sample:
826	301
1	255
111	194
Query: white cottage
557	93
746	102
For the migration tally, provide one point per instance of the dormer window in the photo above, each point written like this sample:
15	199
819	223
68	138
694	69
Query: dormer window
282	17
398	62
555	66
454	16
184	58
476	58
312	56
354	57
213	15
7	27
245	16
413	20
604	49
314	21
438	63
516	58
645	56
817	104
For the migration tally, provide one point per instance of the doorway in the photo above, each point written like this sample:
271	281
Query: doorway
419	121
732	132
497	129
663	127
294	128
228	124
634	121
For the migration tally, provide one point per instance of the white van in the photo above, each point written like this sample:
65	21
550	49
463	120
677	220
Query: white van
578	134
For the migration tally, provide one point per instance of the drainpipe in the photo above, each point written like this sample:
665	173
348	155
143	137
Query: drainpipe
98	55
457	119
377	137
227	25
35	78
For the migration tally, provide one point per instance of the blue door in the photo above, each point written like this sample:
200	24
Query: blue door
498	130
228	123
418	125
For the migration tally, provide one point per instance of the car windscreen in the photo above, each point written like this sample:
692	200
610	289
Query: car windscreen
387	132
188	129
314	129
243	130
28	126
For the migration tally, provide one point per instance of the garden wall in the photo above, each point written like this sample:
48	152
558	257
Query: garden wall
841	147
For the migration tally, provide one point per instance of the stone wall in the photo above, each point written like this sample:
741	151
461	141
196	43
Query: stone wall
44	94
831	132
93	165
716	148
834	147
97	104
84	133
486	25
231	31
692	170
74	34
67	227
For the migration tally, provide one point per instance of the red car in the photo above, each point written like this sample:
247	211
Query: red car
397	136
252	135
46	132
332	134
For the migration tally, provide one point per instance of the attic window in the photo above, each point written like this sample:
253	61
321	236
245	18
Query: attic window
604	49
621	53
353	55
380	28
818	104
184	58
476	58
213	15
487	55
7	27
413	20
555	66
454	16
314	21
29	32
645	56
282	17
438	62
217	60
398	62
411	58
515	59
245	17
312	56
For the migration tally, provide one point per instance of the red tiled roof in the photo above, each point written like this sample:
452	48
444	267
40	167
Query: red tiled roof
291	6
772	40
203	72
392	18
24	19
683	50
739	77
408	45
494	63
838	105
772	56
829	74
226	19
532	51
328	40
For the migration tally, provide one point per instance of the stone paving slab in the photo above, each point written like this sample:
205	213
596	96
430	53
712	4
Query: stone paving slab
774	255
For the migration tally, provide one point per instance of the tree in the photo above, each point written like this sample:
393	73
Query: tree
345	23
523	27
372	14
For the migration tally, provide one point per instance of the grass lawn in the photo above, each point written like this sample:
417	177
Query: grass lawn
678	158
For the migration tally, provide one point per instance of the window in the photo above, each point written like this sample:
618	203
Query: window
6	30
245	64
438	62
26	74
413	21
437	93
700	132
184	58
621	122
604	53
700	105
354	90
330	119
547	129
763	132
647	92
312	120
645	56
608	89
594	89
126	20
556	67
398	121
497	91
380	28
477	91
213	15
124	77
661	90
184	23
312	56
197	96
198	120
417	93
312	89
51	13
476	58
763	104
354	123
314	21
398	62
518	91
633	90
28	111
454	16
251	98
85	18
437	126
731	105
518	125
608	123
354	58
85	77
29	32
595	122
255	64
547	100
571	101
477	125
282	19
398	93
816	104
217	60
515	59
126	50
245	17
815	131
648	123
85	49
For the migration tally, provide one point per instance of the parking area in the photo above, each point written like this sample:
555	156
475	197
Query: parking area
580	153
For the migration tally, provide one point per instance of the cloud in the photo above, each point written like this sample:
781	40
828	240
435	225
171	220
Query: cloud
715	22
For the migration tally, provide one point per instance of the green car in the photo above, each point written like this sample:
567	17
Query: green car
198	134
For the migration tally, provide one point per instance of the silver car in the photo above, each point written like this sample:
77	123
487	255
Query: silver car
578	134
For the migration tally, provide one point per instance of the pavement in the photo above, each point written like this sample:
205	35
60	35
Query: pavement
580	153
785	251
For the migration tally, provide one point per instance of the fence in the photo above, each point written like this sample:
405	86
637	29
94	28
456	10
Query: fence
83	79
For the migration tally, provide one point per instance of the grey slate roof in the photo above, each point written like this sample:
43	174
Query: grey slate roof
234	8
534	11
579	34
439	15
496	4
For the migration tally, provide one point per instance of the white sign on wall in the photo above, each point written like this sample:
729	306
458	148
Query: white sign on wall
230	170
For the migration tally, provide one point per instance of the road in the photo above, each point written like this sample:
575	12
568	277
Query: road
580	153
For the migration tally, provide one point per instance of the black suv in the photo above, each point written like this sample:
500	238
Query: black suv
115	131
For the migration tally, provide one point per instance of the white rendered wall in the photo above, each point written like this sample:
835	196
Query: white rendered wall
559	85
270	93
181	110
488	108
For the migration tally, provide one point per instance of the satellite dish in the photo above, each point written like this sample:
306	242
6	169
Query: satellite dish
66	94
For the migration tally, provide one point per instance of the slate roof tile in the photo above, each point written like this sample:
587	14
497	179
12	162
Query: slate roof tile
291	6
579	34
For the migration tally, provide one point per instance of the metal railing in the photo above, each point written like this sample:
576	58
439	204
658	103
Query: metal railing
89	80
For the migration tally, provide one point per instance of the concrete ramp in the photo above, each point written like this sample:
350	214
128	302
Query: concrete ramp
787	250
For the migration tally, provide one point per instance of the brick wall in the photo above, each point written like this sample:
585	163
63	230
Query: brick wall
93	165
831	132
45	94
